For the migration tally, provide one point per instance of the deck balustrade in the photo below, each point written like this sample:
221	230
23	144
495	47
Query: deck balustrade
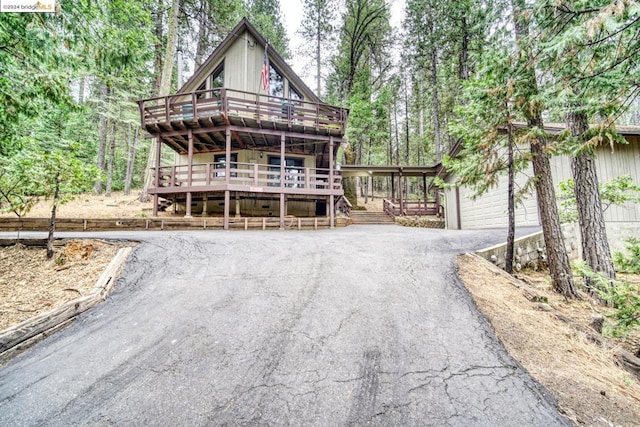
230	104
413	208
252	176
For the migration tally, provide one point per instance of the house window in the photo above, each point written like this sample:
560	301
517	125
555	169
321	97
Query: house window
220	161
217	77
294	171
276	82
294	94
202	87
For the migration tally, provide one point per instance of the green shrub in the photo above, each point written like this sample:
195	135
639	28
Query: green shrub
623	297
629	262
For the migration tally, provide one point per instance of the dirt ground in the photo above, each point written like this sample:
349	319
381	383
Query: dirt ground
583	376
590	388
31	284
92	206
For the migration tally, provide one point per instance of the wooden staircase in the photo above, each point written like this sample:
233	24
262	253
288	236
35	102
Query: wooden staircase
367	217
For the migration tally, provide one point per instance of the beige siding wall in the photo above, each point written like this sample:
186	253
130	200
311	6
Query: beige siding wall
623	160
242	67
489	210
450	206
244	156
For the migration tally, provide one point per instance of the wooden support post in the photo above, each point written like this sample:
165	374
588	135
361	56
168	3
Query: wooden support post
188	207
227	201
237	205
283	209
205	204
426	196
332	212
400	191
189	174
157	177
282	160
264	223
393	188
370	184
458	218
227	157
255	174
246	224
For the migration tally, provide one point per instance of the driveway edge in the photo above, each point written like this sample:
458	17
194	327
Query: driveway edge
17	338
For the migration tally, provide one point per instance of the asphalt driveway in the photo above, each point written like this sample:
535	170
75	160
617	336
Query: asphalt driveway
359	326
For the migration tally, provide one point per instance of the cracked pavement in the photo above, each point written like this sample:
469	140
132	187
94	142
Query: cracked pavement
363	326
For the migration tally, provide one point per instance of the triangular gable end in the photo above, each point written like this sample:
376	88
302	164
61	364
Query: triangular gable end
242	52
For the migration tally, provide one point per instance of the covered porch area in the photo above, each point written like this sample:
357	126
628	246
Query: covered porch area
398	203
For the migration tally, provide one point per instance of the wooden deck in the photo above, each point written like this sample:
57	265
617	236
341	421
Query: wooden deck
246	177
208	112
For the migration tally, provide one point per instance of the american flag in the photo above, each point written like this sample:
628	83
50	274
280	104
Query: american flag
265	70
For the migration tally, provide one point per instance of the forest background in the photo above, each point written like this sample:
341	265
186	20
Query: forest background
69	80
454	73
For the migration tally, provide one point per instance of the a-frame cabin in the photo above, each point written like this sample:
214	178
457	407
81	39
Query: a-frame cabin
245	146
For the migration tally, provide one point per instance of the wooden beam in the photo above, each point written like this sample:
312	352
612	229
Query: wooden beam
282	169
157	177
189	175
227	201
424	186
331	178
400	191
227	161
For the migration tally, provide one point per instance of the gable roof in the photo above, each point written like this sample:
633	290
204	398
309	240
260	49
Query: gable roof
274	58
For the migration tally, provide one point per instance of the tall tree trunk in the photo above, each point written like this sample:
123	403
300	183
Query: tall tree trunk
165	85
390	136
170	49
595	246
131	161
102	139
557	258
406	120
318	59
436	105
52	221
463	66
158	46
511	205
112	156
395	120
203	33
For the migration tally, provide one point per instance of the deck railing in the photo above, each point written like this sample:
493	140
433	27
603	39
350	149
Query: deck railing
413	208
229	103
253	175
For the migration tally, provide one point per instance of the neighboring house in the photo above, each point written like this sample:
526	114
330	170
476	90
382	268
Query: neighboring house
490	209
246	143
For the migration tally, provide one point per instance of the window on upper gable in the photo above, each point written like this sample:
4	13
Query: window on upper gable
294	94
217	77
276	82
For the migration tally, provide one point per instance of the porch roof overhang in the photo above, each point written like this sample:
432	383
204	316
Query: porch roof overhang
389	170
